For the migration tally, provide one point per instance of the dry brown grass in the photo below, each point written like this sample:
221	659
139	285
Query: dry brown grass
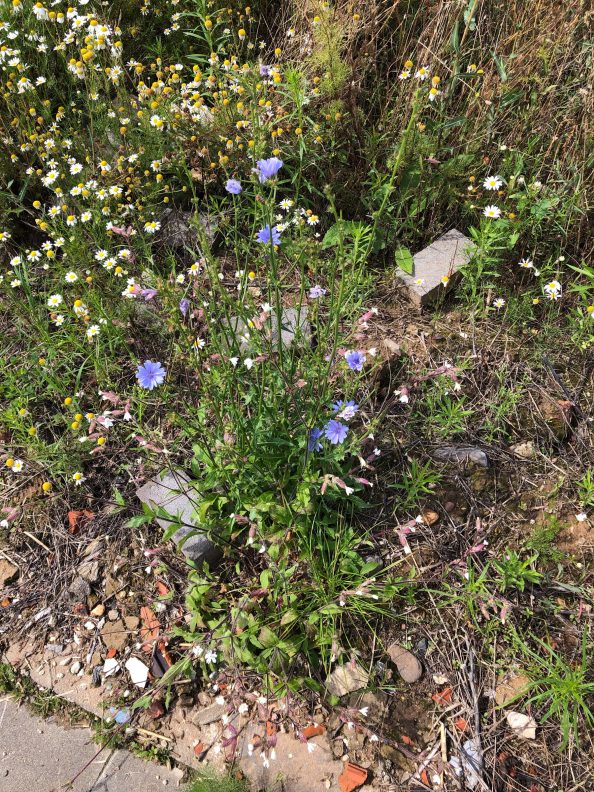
534	94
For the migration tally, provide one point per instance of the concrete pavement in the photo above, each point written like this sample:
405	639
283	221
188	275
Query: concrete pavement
41	756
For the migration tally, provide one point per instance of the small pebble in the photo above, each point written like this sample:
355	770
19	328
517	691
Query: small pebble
75	667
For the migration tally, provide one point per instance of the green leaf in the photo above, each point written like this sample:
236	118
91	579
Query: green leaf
332	610
170	530
265	578
289	616
142	703
454	122
118	497
338	232
267	637
455	38
404	260
140	519
500	67
511	97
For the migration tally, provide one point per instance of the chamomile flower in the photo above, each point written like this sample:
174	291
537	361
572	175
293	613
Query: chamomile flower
71	277
498	302
553	290
492	211
78	478
92	331
492	183
54	300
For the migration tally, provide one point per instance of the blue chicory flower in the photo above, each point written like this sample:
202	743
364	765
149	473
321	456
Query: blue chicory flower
336	432
345	410
268	168
233	187
150	374
184	305
355	360
269	234
316	291
313	442
265	70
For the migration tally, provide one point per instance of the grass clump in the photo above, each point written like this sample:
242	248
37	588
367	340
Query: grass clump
212	783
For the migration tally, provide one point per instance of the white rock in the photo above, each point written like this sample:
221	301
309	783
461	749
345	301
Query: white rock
110	666
525	450
138	671
523	725
346	679
75	667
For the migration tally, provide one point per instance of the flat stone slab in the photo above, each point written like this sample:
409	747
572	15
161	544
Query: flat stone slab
347	678
442	259
294	323
172	491
38	756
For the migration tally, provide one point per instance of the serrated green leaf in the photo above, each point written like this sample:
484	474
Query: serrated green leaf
118	497
136	522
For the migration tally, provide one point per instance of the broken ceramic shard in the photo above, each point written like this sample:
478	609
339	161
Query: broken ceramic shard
172	491
436	267
138	671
